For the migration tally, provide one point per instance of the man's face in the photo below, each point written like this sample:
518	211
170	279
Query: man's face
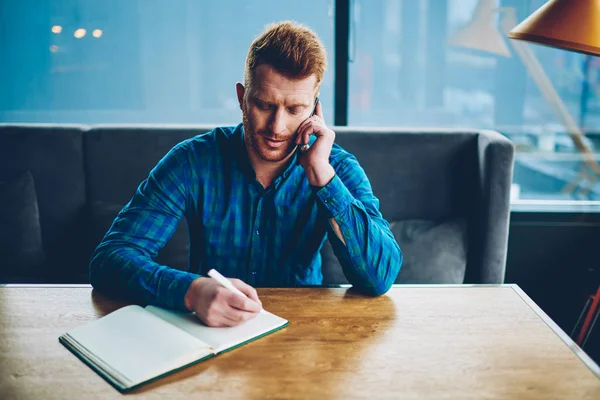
273	107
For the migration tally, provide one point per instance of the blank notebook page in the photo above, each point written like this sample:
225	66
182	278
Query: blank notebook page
220	338
136	343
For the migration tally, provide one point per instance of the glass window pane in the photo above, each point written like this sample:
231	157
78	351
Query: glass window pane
154	61
409	67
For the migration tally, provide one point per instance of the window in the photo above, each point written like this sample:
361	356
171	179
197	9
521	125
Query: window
404	71
158	61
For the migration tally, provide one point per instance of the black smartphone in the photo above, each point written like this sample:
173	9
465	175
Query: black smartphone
315	107
305	146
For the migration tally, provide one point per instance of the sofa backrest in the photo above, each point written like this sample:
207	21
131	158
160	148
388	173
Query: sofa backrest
53	155
118	159
446	194
84	175
417	174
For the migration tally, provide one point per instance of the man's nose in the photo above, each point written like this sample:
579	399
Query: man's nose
278	122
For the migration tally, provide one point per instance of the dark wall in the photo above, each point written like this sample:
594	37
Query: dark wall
554	257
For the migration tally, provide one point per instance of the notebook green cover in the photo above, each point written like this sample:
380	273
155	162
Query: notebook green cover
134	346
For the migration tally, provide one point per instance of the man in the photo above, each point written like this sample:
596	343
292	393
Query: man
258	208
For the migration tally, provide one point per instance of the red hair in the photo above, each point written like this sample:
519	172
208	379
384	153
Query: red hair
291	49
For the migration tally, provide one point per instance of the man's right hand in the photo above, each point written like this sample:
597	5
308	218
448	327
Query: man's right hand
218	306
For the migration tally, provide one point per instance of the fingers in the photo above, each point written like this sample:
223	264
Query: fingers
216	305
248	304
243	303
246	289
221	314
221	321
233	316
311	126
314	126
230	317
304	131
216	321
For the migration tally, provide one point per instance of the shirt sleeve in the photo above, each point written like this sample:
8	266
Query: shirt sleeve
371	258
123	263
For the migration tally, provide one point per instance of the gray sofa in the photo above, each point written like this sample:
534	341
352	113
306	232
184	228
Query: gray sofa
446	194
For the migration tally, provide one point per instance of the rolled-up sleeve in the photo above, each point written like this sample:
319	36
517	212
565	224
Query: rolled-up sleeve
371	258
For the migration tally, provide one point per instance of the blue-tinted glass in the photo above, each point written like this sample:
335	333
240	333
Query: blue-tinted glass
152	61
404	71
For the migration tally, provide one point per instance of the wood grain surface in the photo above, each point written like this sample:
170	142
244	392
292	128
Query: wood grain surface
413	343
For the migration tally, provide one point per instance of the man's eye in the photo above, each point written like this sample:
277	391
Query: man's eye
294	110
262	106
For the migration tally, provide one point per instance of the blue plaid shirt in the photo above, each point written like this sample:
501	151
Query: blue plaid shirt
266	237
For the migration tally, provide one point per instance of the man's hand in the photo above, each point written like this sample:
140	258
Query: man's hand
315	160
216	305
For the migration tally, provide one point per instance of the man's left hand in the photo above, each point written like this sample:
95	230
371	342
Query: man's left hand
315	160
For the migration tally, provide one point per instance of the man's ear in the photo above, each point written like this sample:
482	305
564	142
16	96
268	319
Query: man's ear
240	90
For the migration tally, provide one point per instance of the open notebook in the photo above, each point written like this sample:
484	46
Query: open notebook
135	345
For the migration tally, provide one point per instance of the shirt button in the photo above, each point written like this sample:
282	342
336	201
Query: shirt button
253	272
326	200
257	232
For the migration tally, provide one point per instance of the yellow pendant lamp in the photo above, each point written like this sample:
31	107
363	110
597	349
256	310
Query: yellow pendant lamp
566	24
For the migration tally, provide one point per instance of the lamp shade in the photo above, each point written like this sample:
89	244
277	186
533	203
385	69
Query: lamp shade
481	32
566	24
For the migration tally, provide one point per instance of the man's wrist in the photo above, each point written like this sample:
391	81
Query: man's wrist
320	176
190	296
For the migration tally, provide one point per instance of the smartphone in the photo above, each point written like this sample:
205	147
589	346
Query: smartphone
305	147
315	107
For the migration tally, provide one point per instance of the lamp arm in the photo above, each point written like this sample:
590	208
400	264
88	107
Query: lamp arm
539	76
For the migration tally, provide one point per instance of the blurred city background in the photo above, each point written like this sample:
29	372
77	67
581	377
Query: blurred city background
177	62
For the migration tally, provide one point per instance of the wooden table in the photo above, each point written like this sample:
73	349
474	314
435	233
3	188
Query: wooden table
416	342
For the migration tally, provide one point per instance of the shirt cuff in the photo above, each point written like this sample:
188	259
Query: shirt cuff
174	288
335	196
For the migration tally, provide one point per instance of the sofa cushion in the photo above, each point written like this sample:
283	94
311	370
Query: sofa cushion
434	253
330	266
21	250
175	254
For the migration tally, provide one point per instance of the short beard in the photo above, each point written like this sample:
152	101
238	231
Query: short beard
251	138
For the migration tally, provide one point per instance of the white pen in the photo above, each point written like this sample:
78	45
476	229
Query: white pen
213	273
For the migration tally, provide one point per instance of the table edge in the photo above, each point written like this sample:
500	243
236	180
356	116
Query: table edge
574	347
